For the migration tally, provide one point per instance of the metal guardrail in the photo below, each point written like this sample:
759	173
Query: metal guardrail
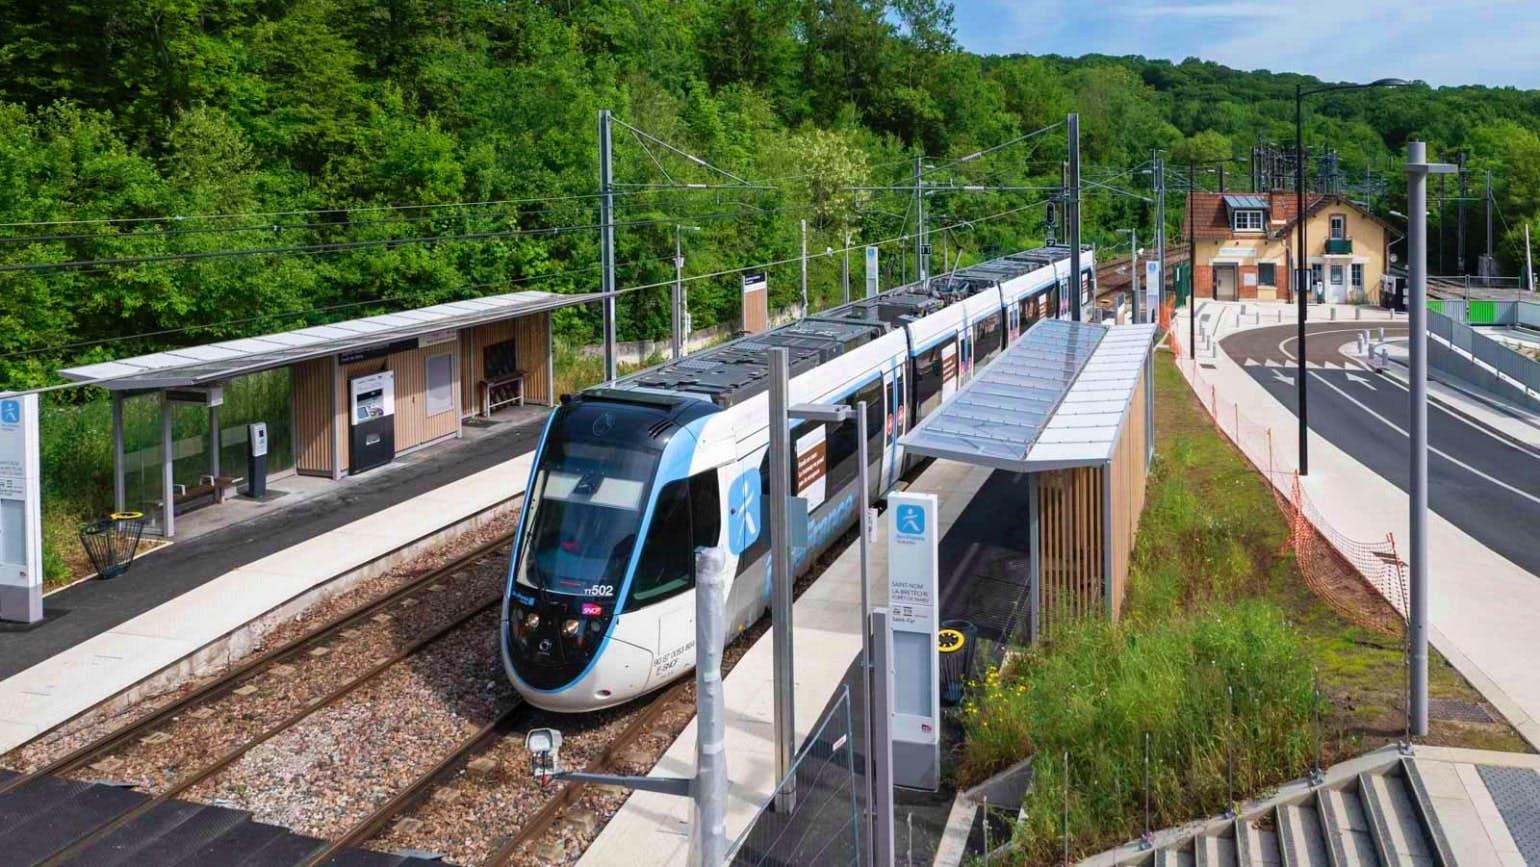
1513	370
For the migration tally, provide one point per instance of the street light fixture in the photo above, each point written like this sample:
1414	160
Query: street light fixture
1301	265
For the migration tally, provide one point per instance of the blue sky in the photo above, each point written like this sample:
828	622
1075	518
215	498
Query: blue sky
1492	42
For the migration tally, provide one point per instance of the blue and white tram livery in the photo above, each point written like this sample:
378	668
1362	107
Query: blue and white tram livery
632	476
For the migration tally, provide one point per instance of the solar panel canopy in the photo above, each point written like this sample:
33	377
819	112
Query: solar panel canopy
215	362
1055	399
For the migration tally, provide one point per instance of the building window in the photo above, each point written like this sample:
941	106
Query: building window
1338	227
1358	276
1336	275
1248	221
1267	274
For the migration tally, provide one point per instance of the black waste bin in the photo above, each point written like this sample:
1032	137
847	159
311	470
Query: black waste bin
957	642
112	542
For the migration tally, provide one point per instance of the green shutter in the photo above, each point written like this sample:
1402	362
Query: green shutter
1436	305
1482	312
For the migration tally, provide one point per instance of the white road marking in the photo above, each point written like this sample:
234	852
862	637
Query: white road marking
1281	378
1441	453
1353	377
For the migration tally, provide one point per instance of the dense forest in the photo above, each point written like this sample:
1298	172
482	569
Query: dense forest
403	152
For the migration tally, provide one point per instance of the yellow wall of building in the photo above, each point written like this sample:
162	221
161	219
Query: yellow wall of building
1247	250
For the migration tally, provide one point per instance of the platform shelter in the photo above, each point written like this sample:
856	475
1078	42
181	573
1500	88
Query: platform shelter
1070	407
332	400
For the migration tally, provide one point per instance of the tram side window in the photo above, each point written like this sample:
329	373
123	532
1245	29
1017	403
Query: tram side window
876	416
927	380
667	564
986	339
706	507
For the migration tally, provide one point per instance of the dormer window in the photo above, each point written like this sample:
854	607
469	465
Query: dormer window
1248	220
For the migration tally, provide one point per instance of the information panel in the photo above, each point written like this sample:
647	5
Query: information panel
21	534
913	561
1152	287
871	272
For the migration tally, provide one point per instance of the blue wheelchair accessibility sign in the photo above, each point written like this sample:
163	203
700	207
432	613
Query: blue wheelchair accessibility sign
10	411
911	520
743	500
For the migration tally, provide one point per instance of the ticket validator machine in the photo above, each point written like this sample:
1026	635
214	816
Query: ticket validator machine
256	460
371	421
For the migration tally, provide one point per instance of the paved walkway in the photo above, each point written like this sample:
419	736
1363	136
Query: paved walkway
652	829
176	602
1483	607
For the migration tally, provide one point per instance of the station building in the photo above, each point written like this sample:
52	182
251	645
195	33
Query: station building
331	400
1245	248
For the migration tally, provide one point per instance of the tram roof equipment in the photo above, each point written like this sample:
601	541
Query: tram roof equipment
1055	399
216	362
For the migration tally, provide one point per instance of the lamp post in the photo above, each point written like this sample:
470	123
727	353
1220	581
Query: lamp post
1301	264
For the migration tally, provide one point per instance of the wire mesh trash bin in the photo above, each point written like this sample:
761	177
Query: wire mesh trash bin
957	641
112	542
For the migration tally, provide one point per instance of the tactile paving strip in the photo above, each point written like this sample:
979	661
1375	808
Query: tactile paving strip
1516	792
1458	710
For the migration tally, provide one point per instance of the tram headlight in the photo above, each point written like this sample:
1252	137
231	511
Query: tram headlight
569	628
532	621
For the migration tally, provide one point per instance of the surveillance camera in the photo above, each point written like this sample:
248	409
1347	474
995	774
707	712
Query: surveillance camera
544	746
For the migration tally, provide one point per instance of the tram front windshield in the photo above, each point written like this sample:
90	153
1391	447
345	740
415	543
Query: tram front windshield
587	506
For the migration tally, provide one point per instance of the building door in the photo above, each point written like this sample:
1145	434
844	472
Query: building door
1224	282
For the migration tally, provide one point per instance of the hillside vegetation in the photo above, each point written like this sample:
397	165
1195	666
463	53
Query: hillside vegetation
410	120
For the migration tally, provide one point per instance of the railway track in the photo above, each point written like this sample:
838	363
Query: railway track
279	662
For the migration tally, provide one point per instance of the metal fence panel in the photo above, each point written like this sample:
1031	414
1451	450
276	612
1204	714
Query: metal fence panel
1526	313
1440	324
824	827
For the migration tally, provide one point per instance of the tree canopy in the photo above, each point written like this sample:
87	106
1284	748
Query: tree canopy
406	152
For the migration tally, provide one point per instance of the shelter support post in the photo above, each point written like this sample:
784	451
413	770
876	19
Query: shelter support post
214	442
1105	537
119	493
1034	556
167	460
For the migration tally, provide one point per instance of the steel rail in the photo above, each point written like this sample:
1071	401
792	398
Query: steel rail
96	834
546	816
372	824
231	679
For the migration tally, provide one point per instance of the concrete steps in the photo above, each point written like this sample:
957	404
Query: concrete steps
1379	817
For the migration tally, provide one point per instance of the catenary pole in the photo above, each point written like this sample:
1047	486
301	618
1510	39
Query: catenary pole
1072	217
1302	276
1459	243
864	540
1417	170
607	241
677	320
781	579
804	267
710	838
1529	263
1490	269
1192	265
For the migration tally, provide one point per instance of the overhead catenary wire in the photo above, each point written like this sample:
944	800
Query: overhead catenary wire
341	246
330	308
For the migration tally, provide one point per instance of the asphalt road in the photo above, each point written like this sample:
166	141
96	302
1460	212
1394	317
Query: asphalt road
1479	479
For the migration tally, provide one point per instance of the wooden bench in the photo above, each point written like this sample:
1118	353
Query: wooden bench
501	391
219	487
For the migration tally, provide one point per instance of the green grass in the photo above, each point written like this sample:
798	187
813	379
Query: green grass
1213	599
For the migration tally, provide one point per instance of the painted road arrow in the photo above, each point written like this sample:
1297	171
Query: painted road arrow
1281	378
1353	377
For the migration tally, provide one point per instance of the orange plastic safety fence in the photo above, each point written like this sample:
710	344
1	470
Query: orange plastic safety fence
1337	568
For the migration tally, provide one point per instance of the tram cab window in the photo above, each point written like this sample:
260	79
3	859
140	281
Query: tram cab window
667	564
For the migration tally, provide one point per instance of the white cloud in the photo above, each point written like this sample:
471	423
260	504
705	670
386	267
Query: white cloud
1210	10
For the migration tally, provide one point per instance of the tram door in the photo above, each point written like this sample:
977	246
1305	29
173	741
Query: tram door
893	422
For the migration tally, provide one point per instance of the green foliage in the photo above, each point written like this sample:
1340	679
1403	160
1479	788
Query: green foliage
131	109
1099	688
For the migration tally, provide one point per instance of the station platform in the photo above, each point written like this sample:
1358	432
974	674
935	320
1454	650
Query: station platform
653	829
105	637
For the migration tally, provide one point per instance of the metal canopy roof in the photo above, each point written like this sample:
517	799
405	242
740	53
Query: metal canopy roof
215	362
1247	203
1055	399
